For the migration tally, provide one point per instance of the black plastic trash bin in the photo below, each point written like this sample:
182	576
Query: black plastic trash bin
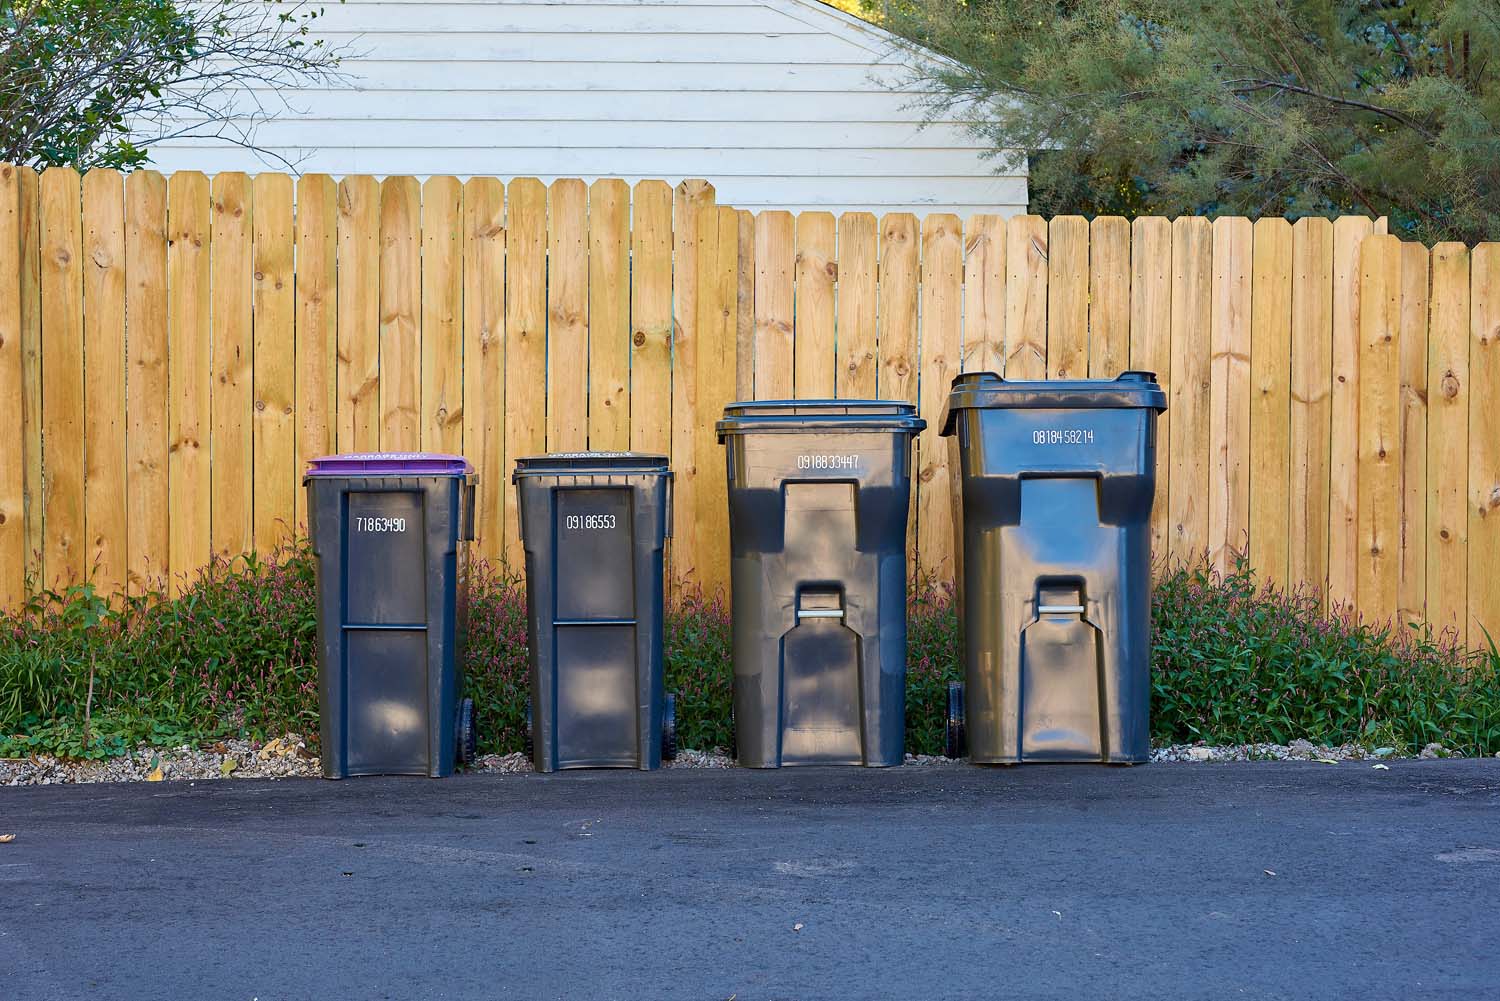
819	492
1057	480
390	534
594	525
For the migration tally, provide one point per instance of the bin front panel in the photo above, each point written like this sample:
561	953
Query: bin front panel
385	539
387	693
595	554
597	700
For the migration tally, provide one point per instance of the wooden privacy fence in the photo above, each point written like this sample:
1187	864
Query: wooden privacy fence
172	350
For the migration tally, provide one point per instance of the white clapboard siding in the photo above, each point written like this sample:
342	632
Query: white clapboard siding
780	103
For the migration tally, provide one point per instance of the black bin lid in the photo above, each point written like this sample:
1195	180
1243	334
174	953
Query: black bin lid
988	391
820	415
592	464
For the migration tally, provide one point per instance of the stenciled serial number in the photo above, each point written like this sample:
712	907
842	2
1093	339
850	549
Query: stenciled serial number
827	462
588	522
368	524
1062	436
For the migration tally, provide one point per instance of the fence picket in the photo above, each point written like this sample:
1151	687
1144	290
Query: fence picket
358	305
1229	390
1109	297
29	219
1192	297
400	314
1068	298
1448	441
775	268
189	346
1150	348
1343	439
815	273
1484	444
1311	361
567	315
1379	477
898	307
744	336
688	198
64	552
442	409
1268	462
316	327
525	340
103	396
146	388
484	357
274	418
1026	269
231	467
717	335
1411	572
651	319
857	296
12	382
609	316
942	291
984	294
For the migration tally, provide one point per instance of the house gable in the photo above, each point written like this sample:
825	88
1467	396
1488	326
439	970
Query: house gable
780	103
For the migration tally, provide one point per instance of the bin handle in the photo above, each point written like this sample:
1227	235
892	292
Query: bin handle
820	613
469	503
1059	609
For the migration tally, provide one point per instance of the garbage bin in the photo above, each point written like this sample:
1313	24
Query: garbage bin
390	535
819	492
593	525
1057	480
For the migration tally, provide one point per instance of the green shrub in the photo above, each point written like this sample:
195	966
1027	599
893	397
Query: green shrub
1234	661
495	665
234	653
698	655
933	659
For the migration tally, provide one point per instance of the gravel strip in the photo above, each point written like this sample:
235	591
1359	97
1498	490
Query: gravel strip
289	757
282	758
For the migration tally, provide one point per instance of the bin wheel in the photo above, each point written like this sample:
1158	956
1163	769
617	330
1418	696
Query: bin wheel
955	740
669	727
467	739
530	739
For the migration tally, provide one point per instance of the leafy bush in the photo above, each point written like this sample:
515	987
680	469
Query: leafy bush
934	657
234	653
699	653
496	675
1234	661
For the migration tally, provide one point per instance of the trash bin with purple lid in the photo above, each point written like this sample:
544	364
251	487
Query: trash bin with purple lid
390	533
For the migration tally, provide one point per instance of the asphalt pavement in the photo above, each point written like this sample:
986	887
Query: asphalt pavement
1259	880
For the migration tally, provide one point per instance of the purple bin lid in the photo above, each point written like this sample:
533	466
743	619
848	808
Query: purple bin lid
390	464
